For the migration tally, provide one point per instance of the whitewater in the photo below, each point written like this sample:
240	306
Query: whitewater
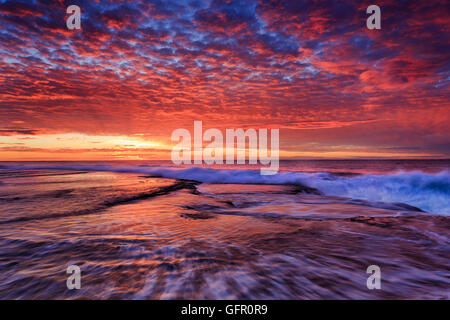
429	192
146	230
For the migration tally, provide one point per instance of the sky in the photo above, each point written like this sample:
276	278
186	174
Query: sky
138	70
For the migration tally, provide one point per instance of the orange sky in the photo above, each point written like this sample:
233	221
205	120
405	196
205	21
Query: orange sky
137	71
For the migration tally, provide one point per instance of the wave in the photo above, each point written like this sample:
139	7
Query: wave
427	191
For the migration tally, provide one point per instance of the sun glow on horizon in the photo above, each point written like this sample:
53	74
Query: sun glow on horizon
79	146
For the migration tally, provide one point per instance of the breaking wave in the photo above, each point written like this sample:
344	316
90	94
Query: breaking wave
427	191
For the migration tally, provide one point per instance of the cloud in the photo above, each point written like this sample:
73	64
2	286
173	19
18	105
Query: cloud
17	131
311	68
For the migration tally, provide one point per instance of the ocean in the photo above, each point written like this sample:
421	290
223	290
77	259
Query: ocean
153	230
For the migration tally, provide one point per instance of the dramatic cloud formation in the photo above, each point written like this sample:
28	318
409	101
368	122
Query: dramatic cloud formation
140	69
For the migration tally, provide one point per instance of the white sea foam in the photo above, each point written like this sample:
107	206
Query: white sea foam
427	191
